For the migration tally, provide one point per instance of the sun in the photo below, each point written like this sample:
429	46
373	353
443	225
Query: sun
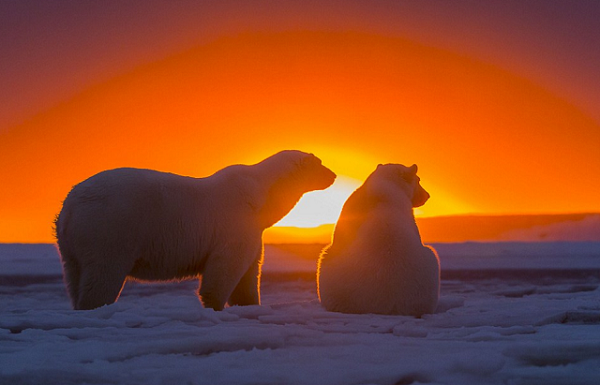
322	207
318	208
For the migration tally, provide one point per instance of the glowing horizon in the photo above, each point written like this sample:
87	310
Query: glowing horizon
318	208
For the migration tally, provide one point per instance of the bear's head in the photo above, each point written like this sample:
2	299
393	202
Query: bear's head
313	175
403	177
293	173
297	171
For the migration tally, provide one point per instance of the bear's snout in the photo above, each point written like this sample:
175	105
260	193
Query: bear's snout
325	178
420	197
329	176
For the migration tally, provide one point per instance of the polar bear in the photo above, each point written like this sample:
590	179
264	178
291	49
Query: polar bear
376	262
155	226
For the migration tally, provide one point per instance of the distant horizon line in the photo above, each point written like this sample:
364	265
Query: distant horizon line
321	234
581	213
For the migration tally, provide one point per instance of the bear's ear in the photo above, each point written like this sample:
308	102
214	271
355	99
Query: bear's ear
310	160
408	174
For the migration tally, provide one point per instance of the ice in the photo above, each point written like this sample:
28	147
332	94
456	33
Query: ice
537	326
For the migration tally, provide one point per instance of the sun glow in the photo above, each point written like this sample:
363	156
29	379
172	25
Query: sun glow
323	207
441	202
353	99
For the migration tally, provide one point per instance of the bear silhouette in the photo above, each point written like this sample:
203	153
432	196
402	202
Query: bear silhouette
376	262
155	226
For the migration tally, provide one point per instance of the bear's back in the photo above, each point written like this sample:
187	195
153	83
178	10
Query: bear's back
381	271
377	262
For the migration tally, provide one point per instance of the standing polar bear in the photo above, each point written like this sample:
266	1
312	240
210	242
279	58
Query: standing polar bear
156	226
376	262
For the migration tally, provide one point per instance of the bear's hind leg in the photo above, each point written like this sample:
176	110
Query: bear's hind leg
100	284
71	272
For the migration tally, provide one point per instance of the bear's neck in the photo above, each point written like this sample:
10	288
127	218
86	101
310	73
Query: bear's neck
283	190
281	198
388	195
404	206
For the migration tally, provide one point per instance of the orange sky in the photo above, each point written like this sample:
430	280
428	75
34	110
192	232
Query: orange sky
486	139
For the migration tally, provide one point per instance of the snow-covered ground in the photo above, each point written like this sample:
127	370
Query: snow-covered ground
510	313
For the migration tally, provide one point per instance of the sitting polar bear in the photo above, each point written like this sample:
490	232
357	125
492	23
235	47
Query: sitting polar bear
376	262
156	226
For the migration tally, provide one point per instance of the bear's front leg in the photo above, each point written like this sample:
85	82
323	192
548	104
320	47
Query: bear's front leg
224	270
247	292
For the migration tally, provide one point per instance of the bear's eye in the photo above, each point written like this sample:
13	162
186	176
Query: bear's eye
406	176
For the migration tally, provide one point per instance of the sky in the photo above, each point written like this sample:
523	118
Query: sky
498	102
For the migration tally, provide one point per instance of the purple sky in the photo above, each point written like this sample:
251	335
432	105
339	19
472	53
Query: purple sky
51	51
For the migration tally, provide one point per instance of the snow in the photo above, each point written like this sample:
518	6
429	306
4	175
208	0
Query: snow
538	325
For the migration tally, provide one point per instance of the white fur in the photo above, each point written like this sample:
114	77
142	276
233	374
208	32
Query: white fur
150	225
376	262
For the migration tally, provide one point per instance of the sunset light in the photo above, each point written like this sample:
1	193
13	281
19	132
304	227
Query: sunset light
320	207
300	192
489	136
